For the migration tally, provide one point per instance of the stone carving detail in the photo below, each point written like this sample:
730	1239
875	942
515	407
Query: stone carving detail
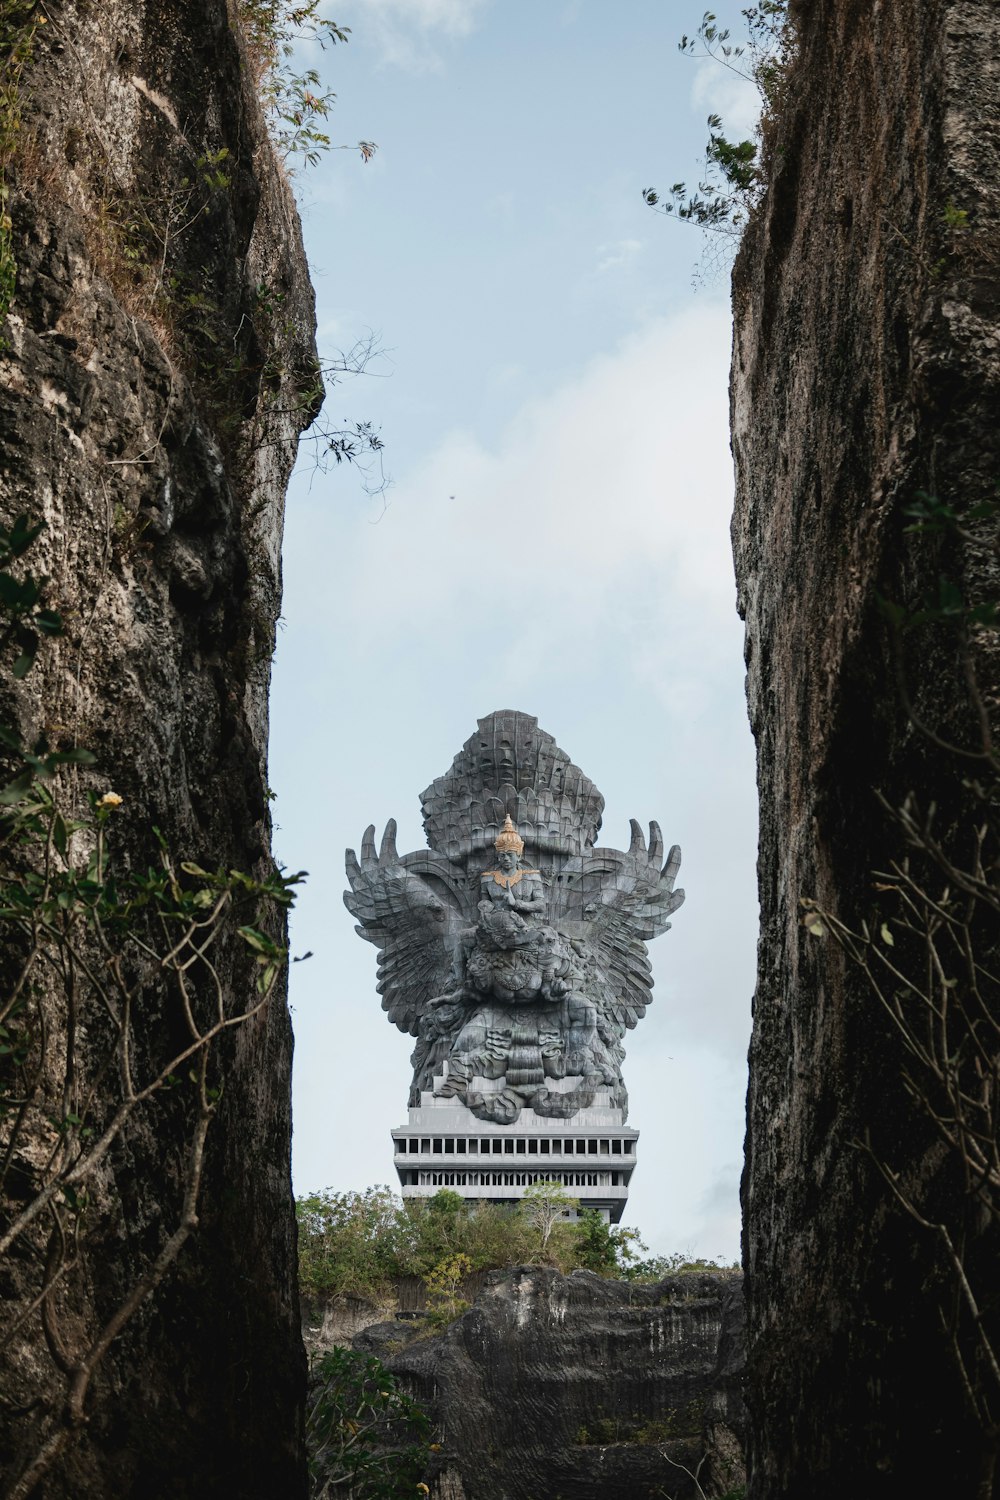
518	977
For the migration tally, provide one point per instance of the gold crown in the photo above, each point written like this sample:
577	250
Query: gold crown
508	838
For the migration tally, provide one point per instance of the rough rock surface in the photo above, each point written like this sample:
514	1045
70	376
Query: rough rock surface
157	366
866	368
565	1387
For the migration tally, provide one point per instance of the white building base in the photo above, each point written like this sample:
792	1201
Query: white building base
444	1145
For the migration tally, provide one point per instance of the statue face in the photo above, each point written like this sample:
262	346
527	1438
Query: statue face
507	860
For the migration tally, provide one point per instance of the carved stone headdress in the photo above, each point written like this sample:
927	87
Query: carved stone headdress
509	838
511	769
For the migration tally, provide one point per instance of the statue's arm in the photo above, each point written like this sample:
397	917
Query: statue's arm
531	896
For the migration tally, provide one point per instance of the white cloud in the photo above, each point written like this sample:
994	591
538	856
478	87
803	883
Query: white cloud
407	31
717	90
606	489
620	254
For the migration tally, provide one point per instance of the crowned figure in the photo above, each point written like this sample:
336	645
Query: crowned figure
509	885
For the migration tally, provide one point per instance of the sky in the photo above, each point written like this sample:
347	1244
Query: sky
553	402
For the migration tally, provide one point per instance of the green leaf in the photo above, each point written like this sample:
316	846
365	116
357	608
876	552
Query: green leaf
10	591
887	936
256	940
24	662
14	790
21	535
71	758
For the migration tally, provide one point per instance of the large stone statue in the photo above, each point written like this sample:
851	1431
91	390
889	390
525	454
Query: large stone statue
518	979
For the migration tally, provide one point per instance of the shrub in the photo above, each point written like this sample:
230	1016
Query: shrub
365	1436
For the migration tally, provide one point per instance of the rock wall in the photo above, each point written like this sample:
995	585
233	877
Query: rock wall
157	365
866	369
565	1387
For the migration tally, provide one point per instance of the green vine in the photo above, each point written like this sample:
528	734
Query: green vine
366	1436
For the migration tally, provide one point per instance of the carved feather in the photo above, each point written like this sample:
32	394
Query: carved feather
622	899
414	920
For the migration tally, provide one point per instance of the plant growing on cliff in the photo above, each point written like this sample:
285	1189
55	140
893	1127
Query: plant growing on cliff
295	102
359	1243
735	170
352	1244
656	1267
112	1009
602	1247
366	1437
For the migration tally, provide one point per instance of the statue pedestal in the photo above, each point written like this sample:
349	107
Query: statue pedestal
444	1145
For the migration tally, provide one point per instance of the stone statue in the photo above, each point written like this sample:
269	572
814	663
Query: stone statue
517	980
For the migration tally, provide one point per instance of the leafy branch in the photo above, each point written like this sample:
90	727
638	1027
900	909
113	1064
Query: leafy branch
734	170
366	1437
295	103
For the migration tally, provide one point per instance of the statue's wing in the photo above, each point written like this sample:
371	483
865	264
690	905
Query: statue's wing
415	920
621	900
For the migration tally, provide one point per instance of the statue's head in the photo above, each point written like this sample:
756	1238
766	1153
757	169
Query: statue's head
509	846
511	766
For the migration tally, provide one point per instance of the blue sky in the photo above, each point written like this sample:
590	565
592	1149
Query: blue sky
555	539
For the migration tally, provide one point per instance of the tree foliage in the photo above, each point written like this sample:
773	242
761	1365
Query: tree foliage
360	1243
366	1437
544	1204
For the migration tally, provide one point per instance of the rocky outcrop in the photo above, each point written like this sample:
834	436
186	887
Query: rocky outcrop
866	369
564	1387
157	365
329	1321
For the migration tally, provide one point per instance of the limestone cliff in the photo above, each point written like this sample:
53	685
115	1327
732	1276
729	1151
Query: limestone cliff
564	1387
157	365
866	370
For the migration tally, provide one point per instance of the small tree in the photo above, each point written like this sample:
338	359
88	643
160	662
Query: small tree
443	1286
602	1248
544	1204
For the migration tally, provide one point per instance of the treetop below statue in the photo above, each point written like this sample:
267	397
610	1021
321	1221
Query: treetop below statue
518	980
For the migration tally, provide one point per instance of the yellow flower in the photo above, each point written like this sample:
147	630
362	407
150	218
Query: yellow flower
422	1489
110	799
